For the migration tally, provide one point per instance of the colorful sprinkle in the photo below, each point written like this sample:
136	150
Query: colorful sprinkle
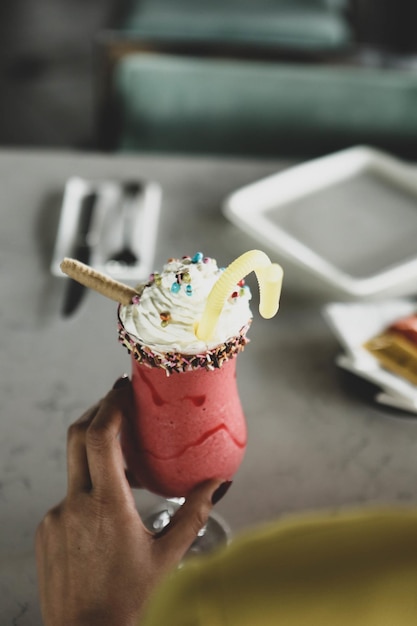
175	287
197	258
165	316
186	278
241	283
157	278
135	299
189	290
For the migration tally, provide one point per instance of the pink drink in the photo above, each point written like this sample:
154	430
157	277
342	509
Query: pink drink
188	427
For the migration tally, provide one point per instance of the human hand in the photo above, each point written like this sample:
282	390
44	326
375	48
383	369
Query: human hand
97	563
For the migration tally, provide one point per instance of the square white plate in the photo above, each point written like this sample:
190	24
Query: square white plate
348	221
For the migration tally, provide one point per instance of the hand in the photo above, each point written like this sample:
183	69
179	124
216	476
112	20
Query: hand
97	563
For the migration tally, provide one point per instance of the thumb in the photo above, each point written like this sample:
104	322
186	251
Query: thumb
190	518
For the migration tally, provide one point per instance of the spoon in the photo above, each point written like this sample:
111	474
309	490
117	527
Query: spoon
125	255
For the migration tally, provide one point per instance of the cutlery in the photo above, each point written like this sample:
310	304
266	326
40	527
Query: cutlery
81	252
125	255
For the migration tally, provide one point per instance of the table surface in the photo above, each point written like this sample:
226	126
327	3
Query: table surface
316	438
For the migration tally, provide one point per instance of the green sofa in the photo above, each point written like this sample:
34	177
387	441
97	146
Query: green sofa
266	78
197	105
303	25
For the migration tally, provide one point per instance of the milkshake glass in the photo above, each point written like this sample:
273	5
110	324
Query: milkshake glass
188	424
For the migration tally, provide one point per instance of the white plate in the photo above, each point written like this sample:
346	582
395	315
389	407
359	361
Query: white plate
396	402
347	220
394	386
353	324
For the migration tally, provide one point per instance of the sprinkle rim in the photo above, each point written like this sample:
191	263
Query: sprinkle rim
177	362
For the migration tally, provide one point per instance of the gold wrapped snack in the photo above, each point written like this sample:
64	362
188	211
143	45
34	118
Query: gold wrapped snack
396	348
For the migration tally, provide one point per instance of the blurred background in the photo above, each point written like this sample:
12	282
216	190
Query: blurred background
66	80
46	70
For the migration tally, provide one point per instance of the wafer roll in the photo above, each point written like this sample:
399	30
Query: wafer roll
97	281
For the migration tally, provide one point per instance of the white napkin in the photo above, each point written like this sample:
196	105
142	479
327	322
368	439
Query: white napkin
353	324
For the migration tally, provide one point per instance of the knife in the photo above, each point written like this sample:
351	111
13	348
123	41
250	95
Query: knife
81	251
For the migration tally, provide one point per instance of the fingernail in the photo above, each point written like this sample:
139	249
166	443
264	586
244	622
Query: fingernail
221	491
121	382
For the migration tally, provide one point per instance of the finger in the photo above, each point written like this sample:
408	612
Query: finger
78	472
177	537
104	454
44	539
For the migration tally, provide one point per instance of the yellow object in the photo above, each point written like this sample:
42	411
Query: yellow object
269	277
356	567
396	353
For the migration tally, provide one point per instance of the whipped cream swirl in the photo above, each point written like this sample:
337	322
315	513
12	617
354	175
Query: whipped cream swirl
170	305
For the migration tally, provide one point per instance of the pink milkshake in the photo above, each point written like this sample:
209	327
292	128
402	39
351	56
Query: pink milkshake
189	425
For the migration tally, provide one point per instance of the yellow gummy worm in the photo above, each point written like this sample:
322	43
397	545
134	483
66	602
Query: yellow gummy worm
269	277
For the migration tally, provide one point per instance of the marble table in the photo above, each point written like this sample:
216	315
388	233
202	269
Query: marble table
316	438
